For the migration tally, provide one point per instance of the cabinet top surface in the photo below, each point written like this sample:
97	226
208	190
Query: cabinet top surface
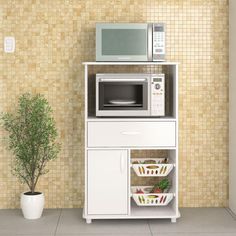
129	63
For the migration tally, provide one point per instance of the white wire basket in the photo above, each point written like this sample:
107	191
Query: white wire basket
150	199
158	169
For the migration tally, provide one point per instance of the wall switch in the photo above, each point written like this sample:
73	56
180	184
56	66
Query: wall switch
9	44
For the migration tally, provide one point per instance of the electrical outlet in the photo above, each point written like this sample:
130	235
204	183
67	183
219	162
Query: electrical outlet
9	44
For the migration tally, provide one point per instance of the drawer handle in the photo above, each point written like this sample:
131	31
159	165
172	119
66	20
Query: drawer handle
130	133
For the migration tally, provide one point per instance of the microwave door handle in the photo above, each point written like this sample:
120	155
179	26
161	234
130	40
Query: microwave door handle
123	80
149	46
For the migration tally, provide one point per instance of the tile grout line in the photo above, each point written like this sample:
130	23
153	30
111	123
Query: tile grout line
149	227
55	233
230	212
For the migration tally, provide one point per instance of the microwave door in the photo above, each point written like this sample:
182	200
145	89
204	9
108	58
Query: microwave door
122	42
122	97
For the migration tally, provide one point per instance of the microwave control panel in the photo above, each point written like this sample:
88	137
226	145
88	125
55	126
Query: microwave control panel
158	95
158	42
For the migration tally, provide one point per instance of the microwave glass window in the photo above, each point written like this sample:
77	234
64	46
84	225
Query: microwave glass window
122	96
124	42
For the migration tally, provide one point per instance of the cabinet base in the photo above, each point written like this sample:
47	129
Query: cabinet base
140	213
135	215
89	220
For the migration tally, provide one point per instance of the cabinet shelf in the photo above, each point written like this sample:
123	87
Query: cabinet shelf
132	63
152	212
102	119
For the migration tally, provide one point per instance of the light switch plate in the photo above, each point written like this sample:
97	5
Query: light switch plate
9	44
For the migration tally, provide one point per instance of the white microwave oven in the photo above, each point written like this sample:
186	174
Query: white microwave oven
130	95
130	42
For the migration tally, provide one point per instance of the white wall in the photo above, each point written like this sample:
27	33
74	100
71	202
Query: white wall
232	105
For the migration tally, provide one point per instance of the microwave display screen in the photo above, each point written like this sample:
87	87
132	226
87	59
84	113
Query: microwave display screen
124	42
157	79
158	28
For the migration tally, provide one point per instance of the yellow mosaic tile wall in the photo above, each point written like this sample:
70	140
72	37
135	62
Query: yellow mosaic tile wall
53	37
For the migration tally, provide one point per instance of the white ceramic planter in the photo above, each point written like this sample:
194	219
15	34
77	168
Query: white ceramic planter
32	205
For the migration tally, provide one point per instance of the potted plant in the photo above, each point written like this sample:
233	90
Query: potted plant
32	139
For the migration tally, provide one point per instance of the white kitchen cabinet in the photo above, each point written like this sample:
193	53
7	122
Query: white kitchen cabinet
107	182
110	140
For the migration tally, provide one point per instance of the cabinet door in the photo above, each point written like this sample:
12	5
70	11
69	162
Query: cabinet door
107	182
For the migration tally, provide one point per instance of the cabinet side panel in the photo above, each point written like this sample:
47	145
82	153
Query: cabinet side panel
232	105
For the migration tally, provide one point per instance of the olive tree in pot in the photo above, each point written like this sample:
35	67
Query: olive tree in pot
32	139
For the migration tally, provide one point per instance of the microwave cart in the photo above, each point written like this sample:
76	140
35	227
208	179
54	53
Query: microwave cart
126	156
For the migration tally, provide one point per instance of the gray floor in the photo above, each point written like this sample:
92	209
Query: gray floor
68	222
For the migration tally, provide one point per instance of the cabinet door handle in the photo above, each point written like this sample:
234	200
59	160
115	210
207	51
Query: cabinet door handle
130	132
122	163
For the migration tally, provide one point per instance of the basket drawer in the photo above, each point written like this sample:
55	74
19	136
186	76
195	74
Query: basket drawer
150	199
155	167
131	134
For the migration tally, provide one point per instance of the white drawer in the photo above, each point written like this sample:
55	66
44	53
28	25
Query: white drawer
131	134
